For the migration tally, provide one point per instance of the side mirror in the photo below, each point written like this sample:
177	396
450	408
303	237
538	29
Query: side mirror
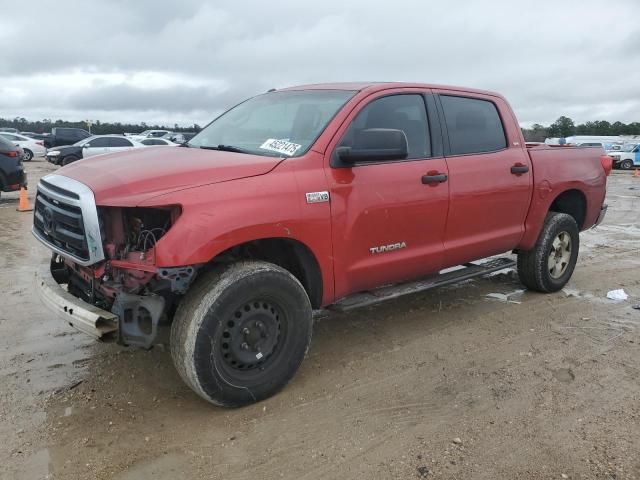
375	144
86	145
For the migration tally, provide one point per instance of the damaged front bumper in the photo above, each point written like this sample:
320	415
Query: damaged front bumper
94	321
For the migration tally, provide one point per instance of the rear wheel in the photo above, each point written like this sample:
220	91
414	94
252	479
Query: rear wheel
241	332
550	264
626	165
28	155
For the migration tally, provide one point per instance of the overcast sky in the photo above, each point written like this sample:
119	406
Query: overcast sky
181	62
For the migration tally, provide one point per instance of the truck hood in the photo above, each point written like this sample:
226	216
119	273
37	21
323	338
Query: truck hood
130	177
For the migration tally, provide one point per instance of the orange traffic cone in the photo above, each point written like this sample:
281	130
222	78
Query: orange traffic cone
23	205
635	173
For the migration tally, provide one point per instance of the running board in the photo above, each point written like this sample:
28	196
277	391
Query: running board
451	275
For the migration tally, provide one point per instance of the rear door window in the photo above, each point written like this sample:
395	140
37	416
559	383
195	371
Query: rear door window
98	143
473	125
119	142
153	141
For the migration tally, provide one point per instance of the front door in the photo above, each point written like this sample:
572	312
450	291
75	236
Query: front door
97	146
387	221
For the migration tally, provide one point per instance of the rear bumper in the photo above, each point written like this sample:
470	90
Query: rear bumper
81	315
603	212
14	181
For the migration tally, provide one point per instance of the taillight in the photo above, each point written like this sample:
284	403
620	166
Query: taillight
10	153
40	143
607	163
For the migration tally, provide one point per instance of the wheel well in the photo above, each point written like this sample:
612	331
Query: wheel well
289	254
571	202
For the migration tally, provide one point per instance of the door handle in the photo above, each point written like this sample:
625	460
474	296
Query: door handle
519	169
437	178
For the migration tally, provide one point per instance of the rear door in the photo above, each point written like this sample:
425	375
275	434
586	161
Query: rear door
387	225
490	177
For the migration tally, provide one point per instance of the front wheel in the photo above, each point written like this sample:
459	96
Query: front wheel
550	264
241	332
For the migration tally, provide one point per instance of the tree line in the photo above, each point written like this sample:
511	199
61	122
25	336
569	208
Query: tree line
562	127
565	127
97	128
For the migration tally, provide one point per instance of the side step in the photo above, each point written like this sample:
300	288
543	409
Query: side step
451	275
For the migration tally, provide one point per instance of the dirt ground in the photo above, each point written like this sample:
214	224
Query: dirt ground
530	386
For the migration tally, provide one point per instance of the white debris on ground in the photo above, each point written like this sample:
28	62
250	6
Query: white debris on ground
618	294
506	297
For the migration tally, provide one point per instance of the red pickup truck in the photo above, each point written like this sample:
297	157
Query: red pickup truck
303	198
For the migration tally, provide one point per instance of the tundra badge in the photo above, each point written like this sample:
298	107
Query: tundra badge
388	248
317	197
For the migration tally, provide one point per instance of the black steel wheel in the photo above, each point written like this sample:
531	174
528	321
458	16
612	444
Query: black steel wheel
241	332
250	337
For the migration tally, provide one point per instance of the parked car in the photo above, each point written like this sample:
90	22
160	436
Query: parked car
238	235
158	142
9	130
606	141
179	137
147	134
95	145
65	136
12	175
31	147
627	157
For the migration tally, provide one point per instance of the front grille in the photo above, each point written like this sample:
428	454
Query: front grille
61	224
58	190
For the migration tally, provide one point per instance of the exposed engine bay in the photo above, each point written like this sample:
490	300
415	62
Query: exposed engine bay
127	282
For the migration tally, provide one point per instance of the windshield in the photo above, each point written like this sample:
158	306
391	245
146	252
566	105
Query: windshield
628	147
274	124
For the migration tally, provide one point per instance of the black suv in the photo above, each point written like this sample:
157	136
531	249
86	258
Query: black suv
12	175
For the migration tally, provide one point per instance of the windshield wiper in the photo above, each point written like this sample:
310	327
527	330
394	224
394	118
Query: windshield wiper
226	148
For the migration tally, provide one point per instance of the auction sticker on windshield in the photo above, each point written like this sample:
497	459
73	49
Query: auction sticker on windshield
280	146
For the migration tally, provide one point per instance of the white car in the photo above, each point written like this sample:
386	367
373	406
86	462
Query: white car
89	147
32	148
147	134
163	142
627	157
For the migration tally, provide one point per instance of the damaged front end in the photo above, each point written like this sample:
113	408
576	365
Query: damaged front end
127	283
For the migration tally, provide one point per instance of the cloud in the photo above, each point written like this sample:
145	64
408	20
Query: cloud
146	60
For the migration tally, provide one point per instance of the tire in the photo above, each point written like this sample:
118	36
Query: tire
28	155
535	266
241	332
626	165
69	159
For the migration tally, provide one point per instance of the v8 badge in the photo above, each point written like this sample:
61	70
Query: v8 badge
317	197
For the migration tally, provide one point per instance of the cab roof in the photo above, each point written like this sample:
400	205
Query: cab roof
377	86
